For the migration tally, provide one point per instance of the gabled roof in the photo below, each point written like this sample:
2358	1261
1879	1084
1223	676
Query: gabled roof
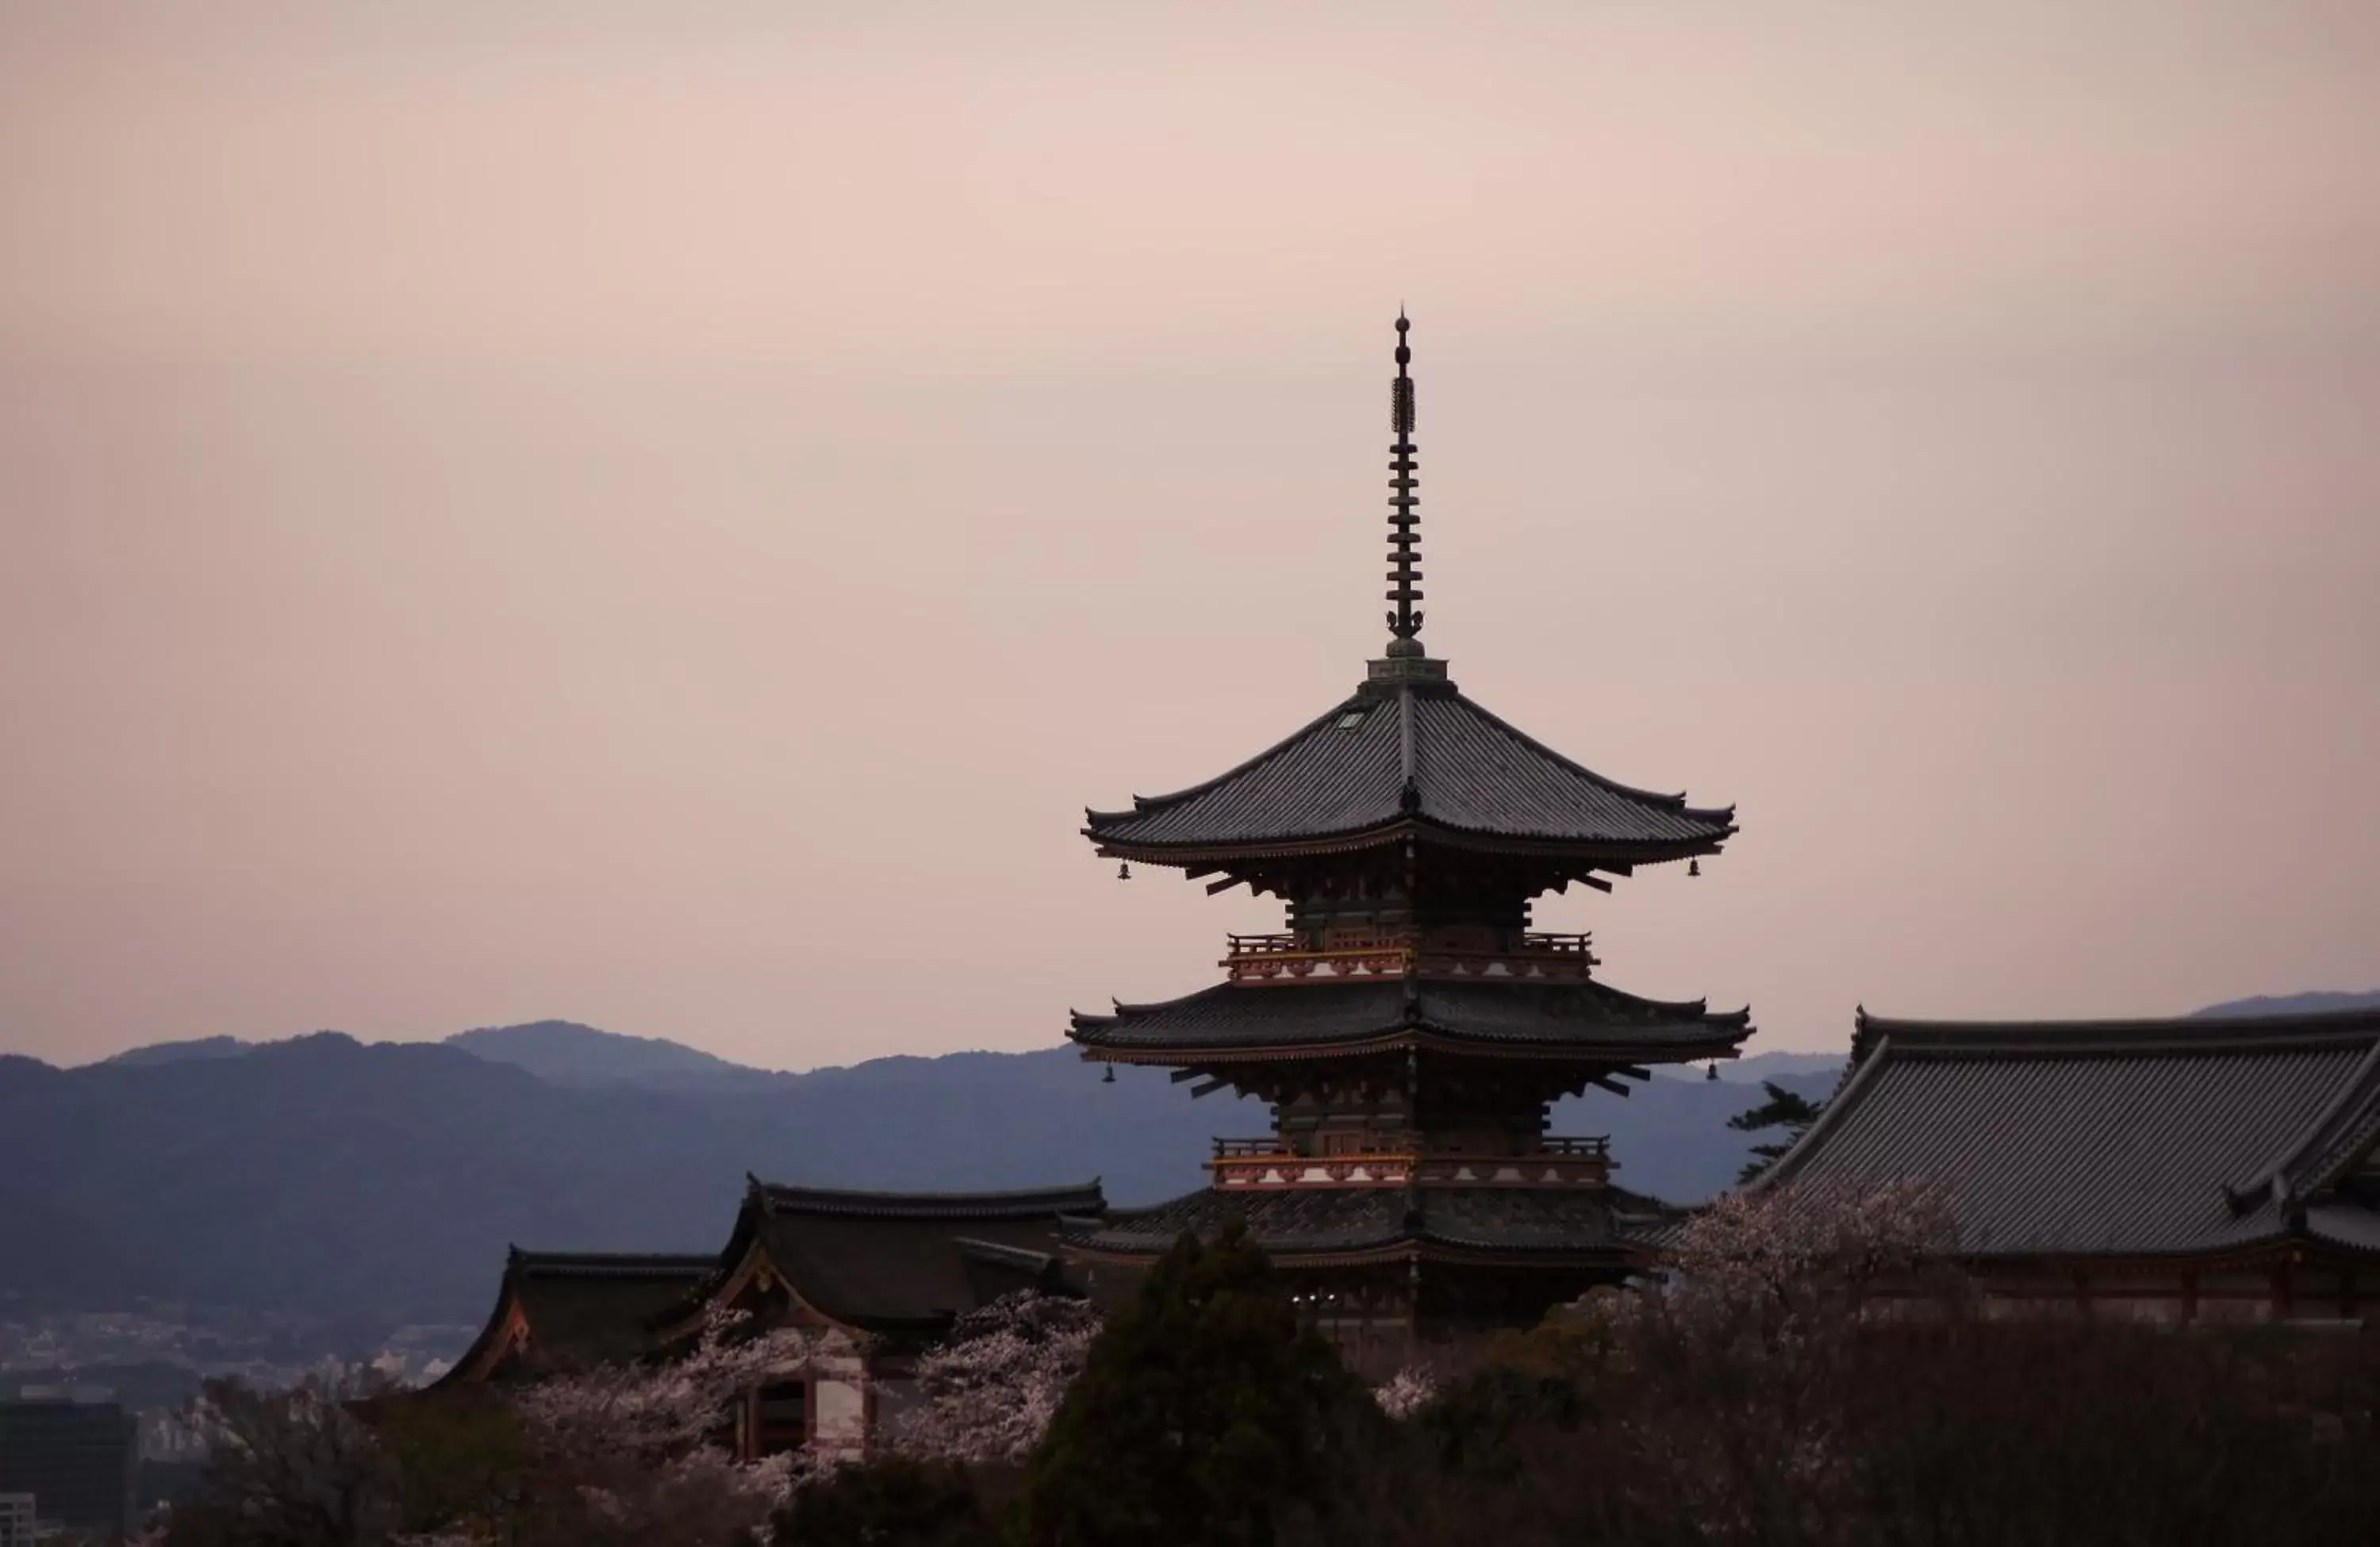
1537	1018
896	1262
1411	755
2113	1138
1333	1222
581	1309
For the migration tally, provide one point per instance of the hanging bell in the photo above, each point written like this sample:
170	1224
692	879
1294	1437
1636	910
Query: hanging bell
1123	870
1693	866
1108	1077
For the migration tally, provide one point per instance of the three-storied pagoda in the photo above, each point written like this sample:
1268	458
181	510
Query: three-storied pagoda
1409	1028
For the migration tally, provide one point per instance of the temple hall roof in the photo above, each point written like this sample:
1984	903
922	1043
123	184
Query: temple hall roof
1534	1017
1355	1222
2115	1137
1409	753
581	1309
906	1262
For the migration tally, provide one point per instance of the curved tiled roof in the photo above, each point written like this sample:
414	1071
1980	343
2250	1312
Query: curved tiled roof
1418	754
1323	1220
901	1261
583	1309
2115	1137
1583	1016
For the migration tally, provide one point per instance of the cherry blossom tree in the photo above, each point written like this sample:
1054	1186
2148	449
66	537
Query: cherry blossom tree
1407	1393
639	1444
1779	1254
988	1392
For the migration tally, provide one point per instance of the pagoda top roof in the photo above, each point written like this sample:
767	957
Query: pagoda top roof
1585	1020
1411	755
2127	1137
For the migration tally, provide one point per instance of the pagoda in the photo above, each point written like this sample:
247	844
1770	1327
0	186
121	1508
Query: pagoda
1408	1027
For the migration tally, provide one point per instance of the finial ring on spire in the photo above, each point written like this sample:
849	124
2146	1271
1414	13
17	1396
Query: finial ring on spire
1404	624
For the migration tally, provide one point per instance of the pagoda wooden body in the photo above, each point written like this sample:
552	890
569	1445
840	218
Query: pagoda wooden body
1409	1025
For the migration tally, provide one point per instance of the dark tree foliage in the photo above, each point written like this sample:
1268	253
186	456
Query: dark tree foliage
1949	1432
288	1469
894	1501
1206	1414
463	1458
1783	1109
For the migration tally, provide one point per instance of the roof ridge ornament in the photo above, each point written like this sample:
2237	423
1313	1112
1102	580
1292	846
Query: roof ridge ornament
1404	624
1405	660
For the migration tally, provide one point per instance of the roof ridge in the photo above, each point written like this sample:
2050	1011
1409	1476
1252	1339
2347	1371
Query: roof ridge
2332	1141
2174	1034
622	1264
1145	803
1675	802
1863	1073
1409	763
933	1205
1000	1251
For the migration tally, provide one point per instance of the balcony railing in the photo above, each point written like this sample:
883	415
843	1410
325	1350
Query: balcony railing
1557	1161
1287	959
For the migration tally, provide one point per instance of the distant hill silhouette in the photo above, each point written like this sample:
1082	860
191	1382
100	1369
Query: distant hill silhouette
182	1053
568	1053
326	1175
1760	1066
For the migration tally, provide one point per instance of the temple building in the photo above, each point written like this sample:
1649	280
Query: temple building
562	1311
1408	1027
2207	1169
892	1270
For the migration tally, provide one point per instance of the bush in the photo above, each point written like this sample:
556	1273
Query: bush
896	1501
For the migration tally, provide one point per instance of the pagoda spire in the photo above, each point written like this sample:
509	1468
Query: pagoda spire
1405	537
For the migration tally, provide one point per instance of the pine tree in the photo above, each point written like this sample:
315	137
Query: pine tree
1203	1414
1783	1109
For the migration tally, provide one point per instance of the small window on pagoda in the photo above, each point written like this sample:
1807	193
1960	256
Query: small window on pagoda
1353	718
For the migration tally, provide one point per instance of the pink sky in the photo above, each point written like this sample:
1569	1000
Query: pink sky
664	516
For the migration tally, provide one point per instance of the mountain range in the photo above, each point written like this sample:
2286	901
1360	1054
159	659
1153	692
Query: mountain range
326	1176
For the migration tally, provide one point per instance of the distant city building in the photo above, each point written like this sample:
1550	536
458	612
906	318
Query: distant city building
77	1459
16	1521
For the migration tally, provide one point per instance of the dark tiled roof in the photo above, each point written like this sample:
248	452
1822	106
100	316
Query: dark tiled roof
583	1309
1020	1203
1418	754
896	1262
1331	1221
1585	1017
2124	1137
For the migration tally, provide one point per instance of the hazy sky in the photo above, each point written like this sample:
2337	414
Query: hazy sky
665	516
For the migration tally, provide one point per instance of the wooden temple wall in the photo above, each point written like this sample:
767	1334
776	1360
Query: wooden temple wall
2220	1295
